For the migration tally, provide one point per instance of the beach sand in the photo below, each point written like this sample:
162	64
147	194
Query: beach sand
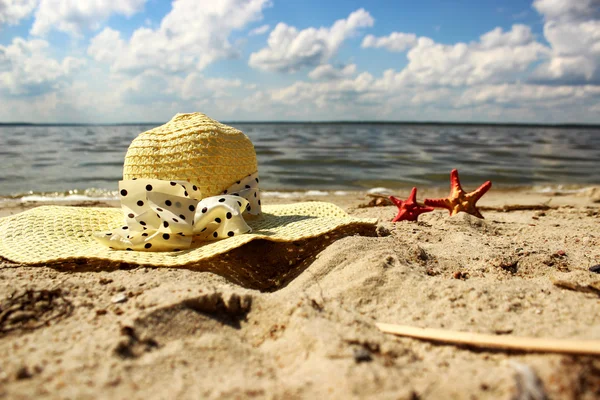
175	333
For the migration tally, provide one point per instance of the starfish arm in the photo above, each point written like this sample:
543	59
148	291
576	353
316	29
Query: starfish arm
440	203
455	210
400	216
413	195
455	181
425	208
397	202
475	212
401	208
421	210
480	191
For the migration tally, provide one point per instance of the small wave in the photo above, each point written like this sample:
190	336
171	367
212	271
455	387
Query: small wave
71	197
91	194
282	195
94	195
102	164
315	193
296	194
380	190
560	189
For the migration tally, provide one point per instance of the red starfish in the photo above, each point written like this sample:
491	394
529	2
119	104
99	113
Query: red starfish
409	210
458	200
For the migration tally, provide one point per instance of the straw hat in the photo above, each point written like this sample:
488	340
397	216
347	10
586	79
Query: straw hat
194	164
192	148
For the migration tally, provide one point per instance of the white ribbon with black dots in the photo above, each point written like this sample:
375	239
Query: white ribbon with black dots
169	215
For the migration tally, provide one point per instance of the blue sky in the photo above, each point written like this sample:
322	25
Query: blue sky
145	60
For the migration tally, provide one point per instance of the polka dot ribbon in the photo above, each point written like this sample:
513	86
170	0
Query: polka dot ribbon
171	215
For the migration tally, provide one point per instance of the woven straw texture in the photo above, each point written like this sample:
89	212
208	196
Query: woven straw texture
58	234
193	148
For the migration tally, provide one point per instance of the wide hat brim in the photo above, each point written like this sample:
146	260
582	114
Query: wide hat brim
62	235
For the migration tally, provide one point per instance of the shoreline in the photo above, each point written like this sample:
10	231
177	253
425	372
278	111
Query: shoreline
576	195
142	332
107	194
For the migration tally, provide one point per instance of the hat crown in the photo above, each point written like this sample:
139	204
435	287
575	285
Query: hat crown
194	148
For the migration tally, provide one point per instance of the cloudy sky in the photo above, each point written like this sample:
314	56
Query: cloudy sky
145	60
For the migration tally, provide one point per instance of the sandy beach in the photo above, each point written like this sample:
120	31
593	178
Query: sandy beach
177	333
227	168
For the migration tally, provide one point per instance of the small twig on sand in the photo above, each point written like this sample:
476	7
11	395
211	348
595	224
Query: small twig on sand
519	207
593	288
526	344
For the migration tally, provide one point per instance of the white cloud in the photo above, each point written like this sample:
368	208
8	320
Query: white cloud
13	11
498	57
156	95
196	86
568	10
361	97
519	35
148	87
107	46
431	96
75	16
261	30
575	53
527	95
290	50
329	72
396	41
154	87
371	98
189	37
573	30
329	92
27	70
217	84
157	71
473	81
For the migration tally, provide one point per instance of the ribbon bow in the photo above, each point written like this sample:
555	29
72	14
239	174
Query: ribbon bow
169	215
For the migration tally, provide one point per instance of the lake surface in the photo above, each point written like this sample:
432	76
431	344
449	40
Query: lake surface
318	156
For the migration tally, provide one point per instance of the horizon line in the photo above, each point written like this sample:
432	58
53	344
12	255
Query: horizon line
331	122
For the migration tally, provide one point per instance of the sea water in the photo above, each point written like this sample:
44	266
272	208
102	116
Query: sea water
88	160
